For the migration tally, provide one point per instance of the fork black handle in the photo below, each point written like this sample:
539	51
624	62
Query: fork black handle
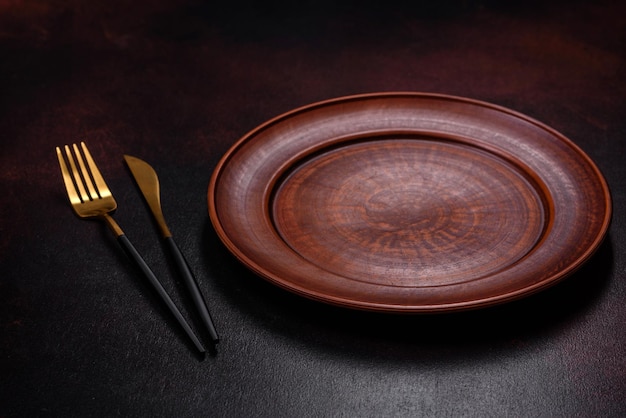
192	286
134	255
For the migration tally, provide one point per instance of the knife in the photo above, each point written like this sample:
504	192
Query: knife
148	183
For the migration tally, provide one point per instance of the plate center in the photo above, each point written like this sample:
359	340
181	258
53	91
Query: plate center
408	212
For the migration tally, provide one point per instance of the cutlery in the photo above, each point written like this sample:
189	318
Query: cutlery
148	183
93	199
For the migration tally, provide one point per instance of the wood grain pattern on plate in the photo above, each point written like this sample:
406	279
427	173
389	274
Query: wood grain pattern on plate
408	202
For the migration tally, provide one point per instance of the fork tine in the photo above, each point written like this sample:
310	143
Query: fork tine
85	172
101	185
67	179
76	175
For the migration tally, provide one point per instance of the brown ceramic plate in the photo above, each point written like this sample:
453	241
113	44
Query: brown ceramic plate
405	202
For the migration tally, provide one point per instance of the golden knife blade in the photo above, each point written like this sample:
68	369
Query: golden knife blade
148	183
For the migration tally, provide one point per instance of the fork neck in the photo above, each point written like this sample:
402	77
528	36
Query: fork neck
113	226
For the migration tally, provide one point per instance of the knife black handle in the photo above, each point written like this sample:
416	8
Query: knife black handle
134	255
192	285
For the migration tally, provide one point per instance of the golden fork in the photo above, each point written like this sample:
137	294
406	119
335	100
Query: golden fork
91	198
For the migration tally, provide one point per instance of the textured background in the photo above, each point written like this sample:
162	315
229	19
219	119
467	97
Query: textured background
177	83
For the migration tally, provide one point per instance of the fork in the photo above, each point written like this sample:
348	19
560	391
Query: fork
91	198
